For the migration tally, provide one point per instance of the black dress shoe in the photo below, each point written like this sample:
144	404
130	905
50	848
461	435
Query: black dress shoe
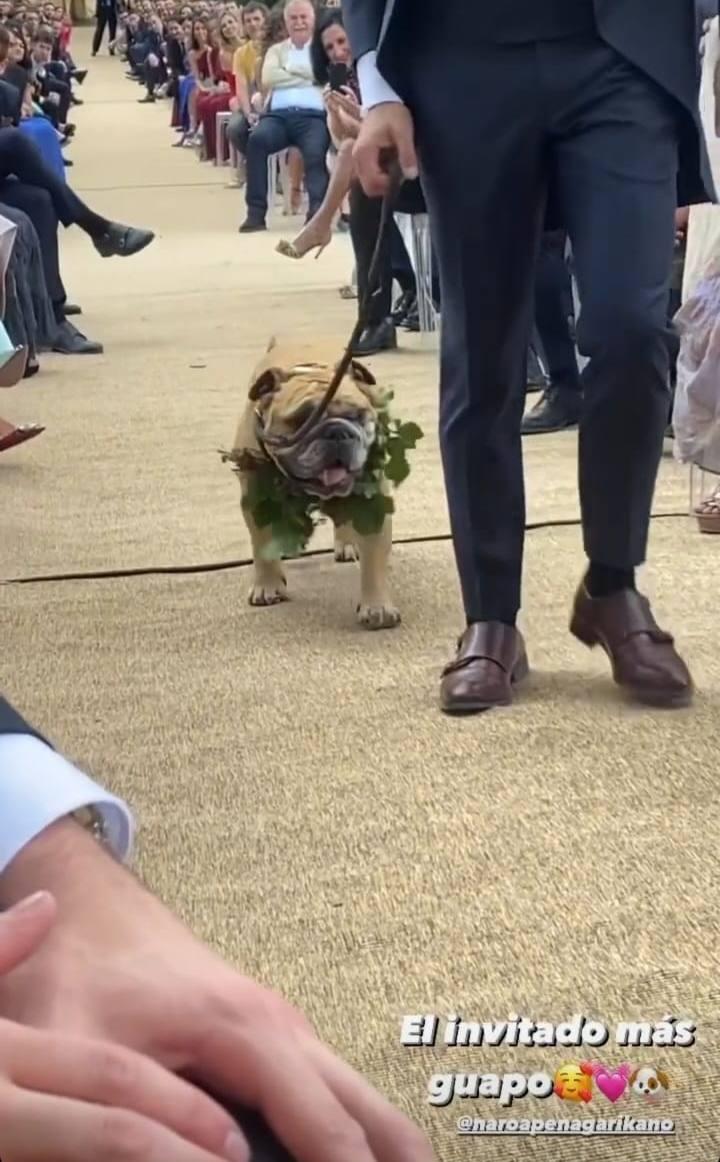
122	240
252	226
70	341
411	321
148	99
78	75
403	307
71	309
376	339
556	410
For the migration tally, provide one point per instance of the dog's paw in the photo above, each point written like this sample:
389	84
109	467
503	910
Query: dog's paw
378	616
344	553
269	594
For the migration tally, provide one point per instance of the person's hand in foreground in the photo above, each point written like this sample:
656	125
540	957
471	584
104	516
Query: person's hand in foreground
119	966
387	129
73	1099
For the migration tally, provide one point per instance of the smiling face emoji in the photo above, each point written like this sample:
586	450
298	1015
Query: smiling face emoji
573	1082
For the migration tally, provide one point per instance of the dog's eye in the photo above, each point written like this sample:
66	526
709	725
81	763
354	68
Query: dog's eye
302	415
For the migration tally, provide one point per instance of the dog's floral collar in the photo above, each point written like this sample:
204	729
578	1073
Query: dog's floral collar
273	501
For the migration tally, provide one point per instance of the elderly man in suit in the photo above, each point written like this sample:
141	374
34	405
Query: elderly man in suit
586	110
116	967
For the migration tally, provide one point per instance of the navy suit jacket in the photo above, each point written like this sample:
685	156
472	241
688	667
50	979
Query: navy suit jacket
12	723
660	37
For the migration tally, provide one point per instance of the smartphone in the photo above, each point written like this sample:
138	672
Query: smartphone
264	1145
338	75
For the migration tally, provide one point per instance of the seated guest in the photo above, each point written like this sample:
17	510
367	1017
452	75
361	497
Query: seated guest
276	33
216	99
29	316
245	70
152	69
203	61
295	115
51	94
30	185
12	68
175	57
16	105
13	355
330	46
187	84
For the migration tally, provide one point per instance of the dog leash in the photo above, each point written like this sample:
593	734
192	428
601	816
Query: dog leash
273	444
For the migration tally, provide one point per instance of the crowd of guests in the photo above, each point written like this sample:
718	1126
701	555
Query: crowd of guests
283	76
39	82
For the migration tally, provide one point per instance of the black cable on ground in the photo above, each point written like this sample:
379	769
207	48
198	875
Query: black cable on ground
245	563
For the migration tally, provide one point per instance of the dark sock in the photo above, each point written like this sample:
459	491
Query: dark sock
93	224
511	621
603	580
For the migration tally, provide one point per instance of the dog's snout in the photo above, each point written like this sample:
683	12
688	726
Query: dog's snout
338	431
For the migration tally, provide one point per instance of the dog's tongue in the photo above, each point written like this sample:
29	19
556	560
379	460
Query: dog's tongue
332	476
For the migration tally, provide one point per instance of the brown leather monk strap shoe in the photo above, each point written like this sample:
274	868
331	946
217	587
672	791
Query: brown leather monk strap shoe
643	657
490	660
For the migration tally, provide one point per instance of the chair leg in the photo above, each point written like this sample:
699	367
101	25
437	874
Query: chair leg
286	184
422	261
272	181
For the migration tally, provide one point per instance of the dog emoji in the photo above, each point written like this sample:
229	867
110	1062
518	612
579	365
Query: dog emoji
649	1083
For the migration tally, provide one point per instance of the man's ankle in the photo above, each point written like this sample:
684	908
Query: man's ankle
605	580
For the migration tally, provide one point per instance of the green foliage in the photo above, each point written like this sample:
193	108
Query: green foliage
292	516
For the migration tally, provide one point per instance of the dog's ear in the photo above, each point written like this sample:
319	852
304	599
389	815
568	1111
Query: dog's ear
361	373
663	1078
268	383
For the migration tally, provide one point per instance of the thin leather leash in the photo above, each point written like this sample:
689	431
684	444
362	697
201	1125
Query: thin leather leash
272	445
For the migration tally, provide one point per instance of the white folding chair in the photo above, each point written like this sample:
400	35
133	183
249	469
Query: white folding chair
278	167
415	230
222	121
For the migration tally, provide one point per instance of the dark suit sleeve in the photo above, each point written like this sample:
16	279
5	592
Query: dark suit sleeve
363	21
12	723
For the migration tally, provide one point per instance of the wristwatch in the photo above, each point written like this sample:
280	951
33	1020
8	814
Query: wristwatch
91	820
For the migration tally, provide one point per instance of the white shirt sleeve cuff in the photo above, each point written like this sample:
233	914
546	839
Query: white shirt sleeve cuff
374	89
39	786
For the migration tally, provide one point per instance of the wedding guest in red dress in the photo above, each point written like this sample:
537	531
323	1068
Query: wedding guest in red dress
216	98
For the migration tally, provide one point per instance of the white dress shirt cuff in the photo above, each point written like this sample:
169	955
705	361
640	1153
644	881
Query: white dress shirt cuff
39	786
374	89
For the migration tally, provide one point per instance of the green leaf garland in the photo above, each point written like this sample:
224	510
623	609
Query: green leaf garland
292	516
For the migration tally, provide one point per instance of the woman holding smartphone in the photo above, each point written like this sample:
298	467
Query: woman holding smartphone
331	58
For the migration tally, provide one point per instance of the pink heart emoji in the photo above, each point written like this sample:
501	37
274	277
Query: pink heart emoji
612	1083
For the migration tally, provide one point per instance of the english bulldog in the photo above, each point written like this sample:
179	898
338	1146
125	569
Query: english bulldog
285	387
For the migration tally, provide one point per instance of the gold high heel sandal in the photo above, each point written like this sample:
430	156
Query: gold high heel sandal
289	250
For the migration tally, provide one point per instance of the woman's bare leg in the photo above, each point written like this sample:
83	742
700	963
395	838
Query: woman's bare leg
192	111
318	231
